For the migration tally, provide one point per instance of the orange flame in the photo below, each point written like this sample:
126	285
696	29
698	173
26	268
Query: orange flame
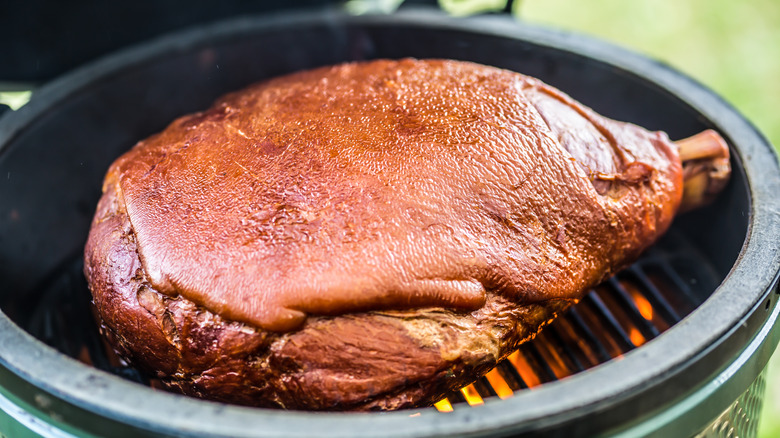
524	369
499	384
636	336
644	306
553	359
472	396
443	405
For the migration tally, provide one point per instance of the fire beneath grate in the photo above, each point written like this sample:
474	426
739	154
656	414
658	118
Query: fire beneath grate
639	303
619	315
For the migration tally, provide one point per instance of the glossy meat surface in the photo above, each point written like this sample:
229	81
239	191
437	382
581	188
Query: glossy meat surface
392	185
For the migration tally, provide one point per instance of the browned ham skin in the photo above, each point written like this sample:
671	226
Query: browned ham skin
390	185
368	235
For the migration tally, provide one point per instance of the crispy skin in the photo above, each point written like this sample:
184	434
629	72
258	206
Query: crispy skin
367	236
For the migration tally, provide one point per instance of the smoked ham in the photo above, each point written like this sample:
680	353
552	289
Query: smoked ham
371	235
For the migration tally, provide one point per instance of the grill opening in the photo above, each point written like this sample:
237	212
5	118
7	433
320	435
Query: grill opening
630	309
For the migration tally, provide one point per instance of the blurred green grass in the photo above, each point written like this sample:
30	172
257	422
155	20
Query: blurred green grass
731	46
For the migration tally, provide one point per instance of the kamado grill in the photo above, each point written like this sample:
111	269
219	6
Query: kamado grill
673	346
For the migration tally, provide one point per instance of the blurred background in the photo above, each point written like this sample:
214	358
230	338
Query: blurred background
731	46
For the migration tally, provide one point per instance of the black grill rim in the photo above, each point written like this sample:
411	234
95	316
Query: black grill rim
684	357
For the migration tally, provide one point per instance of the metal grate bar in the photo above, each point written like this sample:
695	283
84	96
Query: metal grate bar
538	363
603	312
568	349
656	298
456	397
552	357
628	304
587	334
679	284
577	345
511	376
525	369
484	388
497	382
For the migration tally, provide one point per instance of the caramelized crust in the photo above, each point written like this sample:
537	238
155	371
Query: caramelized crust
369	235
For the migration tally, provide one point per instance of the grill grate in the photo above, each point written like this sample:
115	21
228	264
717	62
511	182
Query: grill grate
619	315
635	306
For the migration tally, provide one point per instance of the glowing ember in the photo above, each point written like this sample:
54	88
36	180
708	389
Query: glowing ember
443	405
636	337
499	384
524	369
472	396
644	306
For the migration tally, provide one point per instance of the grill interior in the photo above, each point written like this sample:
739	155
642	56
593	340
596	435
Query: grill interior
638	304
